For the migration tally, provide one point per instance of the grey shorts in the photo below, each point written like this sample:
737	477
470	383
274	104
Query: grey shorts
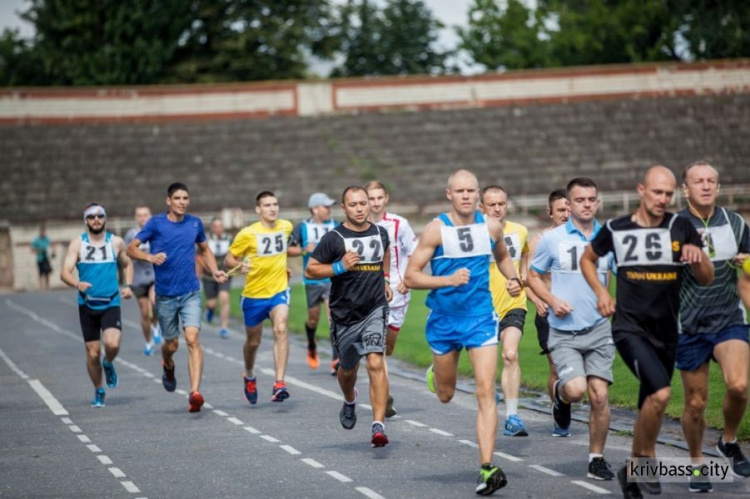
588	353
317	294
212	288
173	310
357	340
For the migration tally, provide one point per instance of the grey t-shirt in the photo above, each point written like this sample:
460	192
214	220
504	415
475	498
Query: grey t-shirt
143	272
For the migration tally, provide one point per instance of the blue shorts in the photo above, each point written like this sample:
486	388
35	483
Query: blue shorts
446	333
171	310
256	310
694	350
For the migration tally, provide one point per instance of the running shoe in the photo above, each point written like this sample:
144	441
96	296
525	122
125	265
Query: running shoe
378	435
390	411
209	315
700	484
650	485
148	351
491	478
559	432
732	451
279	392
168	380
109	373
514	427
560	410
498	398
348	414
599	469
334	367
251	390
224	333
430	378
156	334
630	490
99	395
195	402
312	359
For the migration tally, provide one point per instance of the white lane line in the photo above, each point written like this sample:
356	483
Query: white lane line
312	462
415	423
130	487
149	375
251	430
207	405
93	448
307	386
235	421
508	457
13	366
469	443
231	359
219	355
291	450
117	472
592	488
441	432
366	406
66	420
338	476
158	381
54	405
74	428
545	470
104	459
270	439
369	493
84	439
181	392
41	320
220	413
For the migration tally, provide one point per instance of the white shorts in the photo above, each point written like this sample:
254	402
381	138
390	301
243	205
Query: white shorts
396	317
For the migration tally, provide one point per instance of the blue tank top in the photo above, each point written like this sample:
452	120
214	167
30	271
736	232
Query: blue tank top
98	265
468	246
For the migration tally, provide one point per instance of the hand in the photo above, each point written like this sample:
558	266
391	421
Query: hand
350	260
513	287
82	286
561	308
691	254
220	276
126	292
740	258
605	304
388	292
541	307
460	277
401	288
245	266
158	258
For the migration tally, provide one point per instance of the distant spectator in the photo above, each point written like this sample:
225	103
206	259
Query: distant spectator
41	245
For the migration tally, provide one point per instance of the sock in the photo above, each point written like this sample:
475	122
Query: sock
310	337
378	422
511	407
251	376
353	401
487	466
150	344
592	455
729	441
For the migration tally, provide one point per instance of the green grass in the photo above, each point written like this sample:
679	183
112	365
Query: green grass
412	347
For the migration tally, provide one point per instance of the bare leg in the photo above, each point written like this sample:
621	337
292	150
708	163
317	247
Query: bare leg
250	349
195	357
733	357
279	316
93	362
484	361
695	386
599	414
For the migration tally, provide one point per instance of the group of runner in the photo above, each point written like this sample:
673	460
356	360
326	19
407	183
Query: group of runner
679	299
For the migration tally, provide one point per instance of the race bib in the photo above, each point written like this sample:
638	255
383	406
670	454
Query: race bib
466	241
315	232
369	248
643	247
569	255
219	246
513	243
96	254
719	242
271	244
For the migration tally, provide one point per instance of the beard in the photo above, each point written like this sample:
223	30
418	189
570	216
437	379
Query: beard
99	230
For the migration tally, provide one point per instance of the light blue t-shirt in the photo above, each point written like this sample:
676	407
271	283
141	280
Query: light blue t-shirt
176	276
307	232
559	252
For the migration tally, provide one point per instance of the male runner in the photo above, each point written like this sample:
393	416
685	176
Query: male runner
558	212
219	242
41	246
580	339
510	309
355	255
96	254
403	241
172	238
143	285
305	238
458	245
261	250
652	248
713	321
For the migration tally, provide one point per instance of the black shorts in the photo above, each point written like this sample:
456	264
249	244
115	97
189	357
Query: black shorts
516	317
212	288
44	267
652	365
542	332
142	291
93	322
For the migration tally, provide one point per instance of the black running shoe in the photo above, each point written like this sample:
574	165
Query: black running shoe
599	469
700	484
651	486
491	478
630	490
560	410
168	380
348	414
740	465
390	411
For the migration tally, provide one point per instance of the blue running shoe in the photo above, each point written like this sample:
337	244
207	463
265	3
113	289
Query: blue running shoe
224	334
98	398
513	427
110	374
498	398
559	432
209	316
168	381
251	390
149	350
156	334
279	393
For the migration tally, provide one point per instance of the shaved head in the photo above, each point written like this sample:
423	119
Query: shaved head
657	172
462	175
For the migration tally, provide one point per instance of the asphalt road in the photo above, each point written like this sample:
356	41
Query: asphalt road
146	444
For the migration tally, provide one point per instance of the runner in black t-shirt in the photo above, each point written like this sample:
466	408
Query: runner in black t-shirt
651	247
356	256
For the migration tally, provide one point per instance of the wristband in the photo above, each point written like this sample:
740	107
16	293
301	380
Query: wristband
338	268
386	275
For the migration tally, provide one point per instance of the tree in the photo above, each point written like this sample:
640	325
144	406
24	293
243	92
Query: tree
714	29
18	62
396	40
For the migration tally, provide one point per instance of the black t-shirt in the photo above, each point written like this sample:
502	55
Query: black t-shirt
649	274
355	294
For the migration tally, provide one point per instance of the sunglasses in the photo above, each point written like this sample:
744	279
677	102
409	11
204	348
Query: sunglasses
91	217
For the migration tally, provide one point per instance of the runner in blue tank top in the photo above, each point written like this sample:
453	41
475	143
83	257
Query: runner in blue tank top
458	246
96	254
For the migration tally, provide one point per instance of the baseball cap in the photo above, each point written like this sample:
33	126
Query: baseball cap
319	199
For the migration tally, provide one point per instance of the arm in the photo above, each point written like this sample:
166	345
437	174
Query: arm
71	258
133	251
231	261
604	302
210	261
124	262
541	306
503	259
387	274
415	278
744	288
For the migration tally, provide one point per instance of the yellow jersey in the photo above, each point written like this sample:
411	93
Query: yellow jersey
517	240
266	249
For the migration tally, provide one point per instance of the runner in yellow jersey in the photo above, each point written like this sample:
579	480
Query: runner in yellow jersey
510	309
260	251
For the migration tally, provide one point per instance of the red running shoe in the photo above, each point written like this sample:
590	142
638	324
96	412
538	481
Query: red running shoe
195	402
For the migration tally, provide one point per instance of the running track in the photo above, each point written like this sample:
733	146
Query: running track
146	444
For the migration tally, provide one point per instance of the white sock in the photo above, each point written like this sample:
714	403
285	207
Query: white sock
592	455
150	344
511	407
729	441
378	422
353	401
